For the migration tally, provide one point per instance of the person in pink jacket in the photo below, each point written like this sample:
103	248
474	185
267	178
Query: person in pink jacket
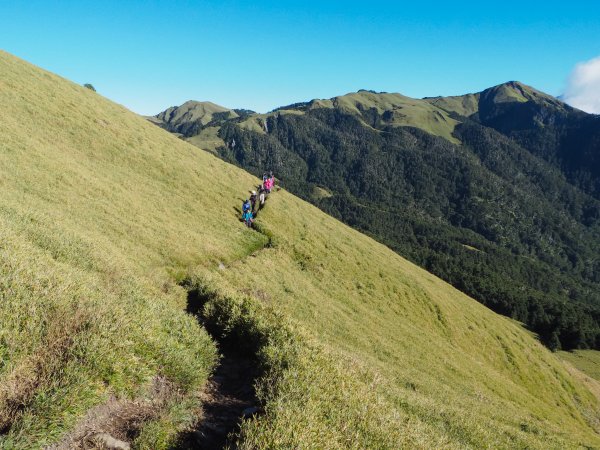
267	185
269	182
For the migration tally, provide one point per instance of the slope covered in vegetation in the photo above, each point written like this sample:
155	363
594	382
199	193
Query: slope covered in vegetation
415	362
588	361
505	211
563	136
104	217
99	215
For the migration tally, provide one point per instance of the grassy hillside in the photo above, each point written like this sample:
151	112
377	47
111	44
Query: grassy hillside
432	115
427	198
99	214
464	105
588	361
516	181
505	93
565	137
436	369
104	215
193	111
399	110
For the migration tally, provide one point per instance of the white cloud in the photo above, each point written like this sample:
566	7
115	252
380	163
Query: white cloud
583	86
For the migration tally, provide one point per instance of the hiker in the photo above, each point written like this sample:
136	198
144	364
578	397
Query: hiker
268	184
253	199
247	217
246	206
261	196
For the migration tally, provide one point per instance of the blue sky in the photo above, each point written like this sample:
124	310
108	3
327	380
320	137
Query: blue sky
259	55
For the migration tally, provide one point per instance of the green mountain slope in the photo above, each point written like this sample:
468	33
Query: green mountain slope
418	347
192	111
104	215
563	136
99	214
506	93
395	110
192	118
588	361
196	119
488	211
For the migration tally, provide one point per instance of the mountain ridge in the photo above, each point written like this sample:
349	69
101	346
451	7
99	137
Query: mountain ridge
509	145
109	225
427	113
510	91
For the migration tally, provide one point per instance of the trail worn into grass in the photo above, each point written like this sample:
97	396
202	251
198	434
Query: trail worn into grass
229	397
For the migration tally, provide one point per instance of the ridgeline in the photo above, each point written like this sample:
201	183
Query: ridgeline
107	223
495	192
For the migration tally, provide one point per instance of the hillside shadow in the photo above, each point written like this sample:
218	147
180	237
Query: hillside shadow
229	396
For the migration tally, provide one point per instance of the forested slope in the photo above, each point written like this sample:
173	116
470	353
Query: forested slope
495	210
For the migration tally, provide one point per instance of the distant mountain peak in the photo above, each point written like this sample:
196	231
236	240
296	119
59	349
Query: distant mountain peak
514	91
192	112
197	108
498	100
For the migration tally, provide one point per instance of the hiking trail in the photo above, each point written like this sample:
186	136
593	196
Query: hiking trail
229	395
228	398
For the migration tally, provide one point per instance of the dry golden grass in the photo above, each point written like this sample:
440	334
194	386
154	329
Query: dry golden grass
102	214
398	358
99	214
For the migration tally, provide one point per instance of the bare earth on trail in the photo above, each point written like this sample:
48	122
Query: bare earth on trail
229	396
227	399
116	423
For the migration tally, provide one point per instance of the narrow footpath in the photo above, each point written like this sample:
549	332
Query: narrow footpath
229	397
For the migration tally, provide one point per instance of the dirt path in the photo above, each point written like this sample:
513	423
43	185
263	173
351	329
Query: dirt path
229	397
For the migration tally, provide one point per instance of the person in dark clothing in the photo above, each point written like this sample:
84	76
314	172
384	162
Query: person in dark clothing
253	200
